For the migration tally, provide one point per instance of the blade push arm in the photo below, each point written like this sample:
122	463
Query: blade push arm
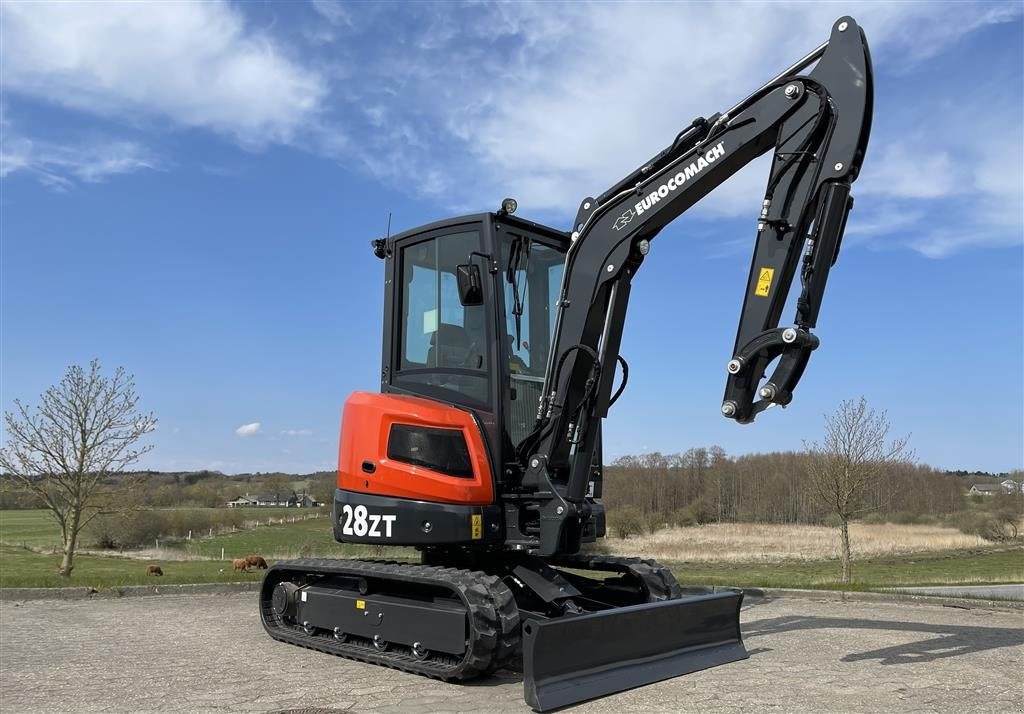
818	127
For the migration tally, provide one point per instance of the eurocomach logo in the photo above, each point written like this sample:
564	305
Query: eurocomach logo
688	172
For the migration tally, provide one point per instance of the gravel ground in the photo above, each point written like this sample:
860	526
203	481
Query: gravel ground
209	653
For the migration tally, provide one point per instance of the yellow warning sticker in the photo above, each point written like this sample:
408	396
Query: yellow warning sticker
764	282
360	604
476	526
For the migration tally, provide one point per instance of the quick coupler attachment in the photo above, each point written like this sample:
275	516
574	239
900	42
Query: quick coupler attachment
744	399
574	658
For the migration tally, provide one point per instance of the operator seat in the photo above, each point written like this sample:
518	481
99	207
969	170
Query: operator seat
449	346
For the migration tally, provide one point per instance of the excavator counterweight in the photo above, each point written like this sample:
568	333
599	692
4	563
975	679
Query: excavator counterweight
483	448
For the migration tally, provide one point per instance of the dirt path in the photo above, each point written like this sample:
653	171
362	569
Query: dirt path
209	653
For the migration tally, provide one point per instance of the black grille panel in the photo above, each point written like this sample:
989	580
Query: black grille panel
442	450
523	409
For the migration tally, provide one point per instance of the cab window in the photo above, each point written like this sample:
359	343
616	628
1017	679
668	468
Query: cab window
442	344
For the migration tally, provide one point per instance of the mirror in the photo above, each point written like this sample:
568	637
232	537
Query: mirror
471	290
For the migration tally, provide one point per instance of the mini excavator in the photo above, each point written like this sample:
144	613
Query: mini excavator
483	448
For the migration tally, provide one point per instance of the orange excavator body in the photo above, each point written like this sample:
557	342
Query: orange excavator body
364	464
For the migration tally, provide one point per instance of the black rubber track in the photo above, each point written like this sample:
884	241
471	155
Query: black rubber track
658	581
493	616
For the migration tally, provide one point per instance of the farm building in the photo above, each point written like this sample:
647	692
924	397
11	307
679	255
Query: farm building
279	500
986	489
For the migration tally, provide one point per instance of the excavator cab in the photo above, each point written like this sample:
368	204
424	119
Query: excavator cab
469	314
484	347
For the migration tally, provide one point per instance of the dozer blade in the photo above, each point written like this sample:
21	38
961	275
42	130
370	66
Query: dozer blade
575	658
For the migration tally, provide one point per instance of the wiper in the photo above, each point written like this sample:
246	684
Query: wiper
519	252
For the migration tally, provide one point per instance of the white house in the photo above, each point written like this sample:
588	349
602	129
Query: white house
985	489
280	500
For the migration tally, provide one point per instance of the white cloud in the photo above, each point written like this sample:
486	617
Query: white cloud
60	166
547	102
551	103
333	11
589	91
194	63
897	170
944	242
939	189
249	429
296	432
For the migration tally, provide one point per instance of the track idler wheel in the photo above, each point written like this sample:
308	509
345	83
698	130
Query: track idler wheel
284	599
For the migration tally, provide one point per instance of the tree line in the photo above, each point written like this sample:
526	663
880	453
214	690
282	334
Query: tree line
191	489
705	485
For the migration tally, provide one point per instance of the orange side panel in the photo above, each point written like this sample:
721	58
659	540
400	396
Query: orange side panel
365	426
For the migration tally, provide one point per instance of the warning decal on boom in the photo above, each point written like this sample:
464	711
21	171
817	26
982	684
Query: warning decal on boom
764	282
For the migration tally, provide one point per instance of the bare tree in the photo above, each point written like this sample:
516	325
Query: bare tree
85	429
847	466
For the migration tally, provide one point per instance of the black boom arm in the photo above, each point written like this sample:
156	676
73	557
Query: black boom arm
818	126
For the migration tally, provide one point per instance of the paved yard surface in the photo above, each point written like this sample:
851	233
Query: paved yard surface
209	653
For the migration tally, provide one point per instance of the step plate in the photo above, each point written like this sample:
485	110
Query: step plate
572	659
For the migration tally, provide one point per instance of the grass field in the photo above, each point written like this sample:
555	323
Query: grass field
20	568
751	555
976	567
24	568
302	539
753	542
32	528
37	529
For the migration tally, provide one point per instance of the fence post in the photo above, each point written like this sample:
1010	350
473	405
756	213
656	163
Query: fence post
222	553
190	535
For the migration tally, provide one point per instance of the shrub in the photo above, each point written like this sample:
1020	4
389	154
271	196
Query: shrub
127	530
181	521
873	519
695	514
683	517
1008	518
832	520
626	521
986	525
702	511
909	518
654	522
141	528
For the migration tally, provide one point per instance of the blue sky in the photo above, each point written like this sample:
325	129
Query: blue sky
188	190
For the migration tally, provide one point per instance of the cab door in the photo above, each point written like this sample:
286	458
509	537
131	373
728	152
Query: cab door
440	348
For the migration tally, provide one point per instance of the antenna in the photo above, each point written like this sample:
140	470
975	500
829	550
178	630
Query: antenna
389	224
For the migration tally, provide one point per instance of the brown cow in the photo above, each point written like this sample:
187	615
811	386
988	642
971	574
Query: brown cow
257	561
241	564
154	570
